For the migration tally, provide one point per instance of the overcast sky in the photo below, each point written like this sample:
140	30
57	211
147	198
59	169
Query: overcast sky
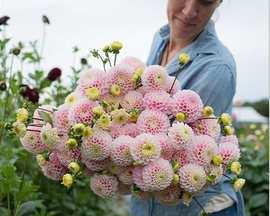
242	25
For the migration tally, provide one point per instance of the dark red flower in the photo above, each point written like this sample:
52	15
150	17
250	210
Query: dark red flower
54	74
3	20
3	86
30	94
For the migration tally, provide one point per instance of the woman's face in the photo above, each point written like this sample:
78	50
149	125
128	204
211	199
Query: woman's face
187	18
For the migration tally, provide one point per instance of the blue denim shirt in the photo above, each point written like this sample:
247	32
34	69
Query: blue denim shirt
212	74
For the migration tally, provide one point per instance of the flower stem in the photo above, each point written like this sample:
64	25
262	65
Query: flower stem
115	57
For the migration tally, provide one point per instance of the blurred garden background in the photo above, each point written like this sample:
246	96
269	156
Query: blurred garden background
45	45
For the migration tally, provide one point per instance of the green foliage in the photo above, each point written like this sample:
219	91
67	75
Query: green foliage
255	158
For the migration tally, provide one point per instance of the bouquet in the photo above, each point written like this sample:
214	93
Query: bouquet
131	129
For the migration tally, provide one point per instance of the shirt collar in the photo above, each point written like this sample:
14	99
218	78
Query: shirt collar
202	44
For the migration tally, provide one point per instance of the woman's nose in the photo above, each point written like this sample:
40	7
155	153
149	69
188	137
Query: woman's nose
190	9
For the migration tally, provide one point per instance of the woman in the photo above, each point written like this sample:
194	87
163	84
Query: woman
212	74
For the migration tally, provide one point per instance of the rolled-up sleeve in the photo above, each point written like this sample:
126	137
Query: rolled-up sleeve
216	86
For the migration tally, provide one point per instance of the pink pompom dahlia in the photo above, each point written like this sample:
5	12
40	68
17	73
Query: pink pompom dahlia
154	77
158	175
181	157
60	119
137	175
97	146
202	150
121	76
92	78
126	176
158	101
192	177
133	62
189	103
229	139
229	152
52	168
104	186
154	122
209	127
32	142
180	135
120	152
146	148
82	112
132	100
167	149
94	165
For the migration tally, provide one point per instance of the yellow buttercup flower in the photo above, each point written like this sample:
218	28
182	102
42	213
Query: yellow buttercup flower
78	128
92	93
22	115
226	119
183	58
74	167
176	179
217	160
207	111
228	130
236	167
67	180
116	46
72	143
88	131
180	117
238	184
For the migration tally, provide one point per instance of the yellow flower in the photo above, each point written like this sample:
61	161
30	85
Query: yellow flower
207	111
180	117
40	160
106	48
176	179
92	93
19	129
98	110
115	90
74	167
87	131
228	130
72	143
226	119
236	167
217	160
67	180
116	46
78	128
120	116
104	122
183	58
22	115
238	184
187	198
137	74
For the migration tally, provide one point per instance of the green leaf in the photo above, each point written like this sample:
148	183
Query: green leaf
258	200
29	207
45	116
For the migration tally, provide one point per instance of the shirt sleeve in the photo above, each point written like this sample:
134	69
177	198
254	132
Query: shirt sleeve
216	86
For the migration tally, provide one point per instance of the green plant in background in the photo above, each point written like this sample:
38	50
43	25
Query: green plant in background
23	188
253	139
